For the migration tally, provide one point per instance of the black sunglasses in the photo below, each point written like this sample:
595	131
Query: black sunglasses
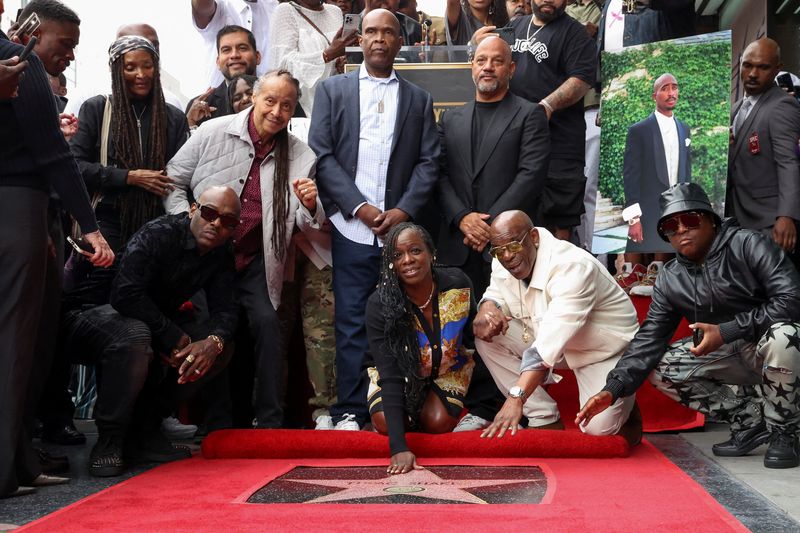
210	214
690	220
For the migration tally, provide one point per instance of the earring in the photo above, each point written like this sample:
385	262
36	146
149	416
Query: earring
391	266
491	9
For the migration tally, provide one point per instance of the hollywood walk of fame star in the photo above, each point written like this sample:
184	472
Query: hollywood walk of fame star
420	483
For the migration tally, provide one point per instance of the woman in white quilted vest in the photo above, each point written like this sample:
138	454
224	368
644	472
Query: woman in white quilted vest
272	171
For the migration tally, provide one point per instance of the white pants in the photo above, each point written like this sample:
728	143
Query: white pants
503	357
591	170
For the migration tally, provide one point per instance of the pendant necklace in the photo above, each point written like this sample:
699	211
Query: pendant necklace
383	95
526	336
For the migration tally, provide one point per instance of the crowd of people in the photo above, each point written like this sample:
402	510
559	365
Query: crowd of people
196	234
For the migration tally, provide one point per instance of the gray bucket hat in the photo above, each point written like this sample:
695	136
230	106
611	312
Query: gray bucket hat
681	198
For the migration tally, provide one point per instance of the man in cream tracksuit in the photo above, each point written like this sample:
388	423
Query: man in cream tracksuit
550	304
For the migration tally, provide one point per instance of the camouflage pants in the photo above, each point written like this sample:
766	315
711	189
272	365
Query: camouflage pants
704	383
316	308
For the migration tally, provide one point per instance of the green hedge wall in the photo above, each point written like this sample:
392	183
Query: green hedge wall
703	72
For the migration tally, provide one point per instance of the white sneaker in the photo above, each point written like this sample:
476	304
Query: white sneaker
470	423
174	430
324	422
347	423
645	287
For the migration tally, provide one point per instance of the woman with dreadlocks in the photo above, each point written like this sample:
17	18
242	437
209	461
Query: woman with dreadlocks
419	325
126	169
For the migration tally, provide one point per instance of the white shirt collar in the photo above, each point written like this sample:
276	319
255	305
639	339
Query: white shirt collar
364	75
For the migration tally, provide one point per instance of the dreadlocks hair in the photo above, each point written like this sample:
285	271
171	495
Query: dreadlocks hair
280	185
497	12
138	205
401	341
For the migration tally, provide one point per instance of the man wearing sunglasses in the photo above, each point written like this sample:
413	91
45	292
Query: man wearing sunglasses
741	295
164	264
550	304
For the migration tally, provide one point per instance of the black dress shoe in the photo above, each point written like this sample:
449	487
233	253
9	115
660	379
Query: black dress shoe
66	435
156	448
105	459
742	442
52	464
782	451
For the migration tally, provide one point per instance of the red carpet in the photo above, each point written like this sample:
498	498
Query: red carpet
289	444
644	492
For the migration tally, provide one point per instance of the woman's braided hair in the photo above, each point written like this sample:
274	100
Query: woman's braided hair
137	205
400	334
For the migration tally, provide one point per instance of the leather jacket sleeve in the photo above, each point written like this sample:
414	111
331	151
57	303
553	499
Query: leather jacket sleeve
780	283
647	347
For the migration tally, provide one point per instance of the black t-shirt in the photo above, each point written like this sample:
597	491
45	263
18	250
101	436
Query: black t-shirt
546	56
481	120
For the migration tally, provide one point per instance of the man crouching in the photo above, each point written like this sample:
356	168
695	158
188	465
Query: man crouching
550	304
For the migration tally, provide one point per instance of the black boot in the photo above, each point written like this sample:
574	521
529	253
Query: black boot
66	434
105	459
742	442
782	451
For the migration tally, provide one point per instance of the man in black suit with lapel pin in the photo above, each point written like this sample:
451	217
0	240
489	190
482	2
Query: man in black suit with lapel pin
377	150
494	158
657	156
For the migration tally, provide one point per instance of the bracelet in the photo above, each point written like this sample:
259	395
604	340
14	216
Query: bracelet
220	344
547	105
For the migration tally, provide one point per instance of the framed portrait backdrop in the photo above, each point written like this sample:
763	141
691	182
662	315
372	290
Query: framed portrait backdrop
642	151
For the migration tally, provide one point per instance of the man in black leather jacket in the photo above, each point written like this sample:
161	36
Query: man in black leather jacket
741	295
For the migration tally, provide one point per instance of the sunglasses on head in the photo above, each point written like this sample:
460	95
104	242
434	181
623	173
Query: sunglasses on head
210	214
690	220
514	247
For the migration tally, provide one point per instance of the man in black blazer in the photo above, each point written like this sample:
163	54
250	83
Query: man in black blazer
377	148
236	55
763	174
657	155
494	159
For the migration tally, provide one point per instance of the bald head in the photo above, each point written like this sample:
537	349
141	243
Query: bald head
224	199
761	62
381	16
511	222
514	242
662	80
142	30
492	69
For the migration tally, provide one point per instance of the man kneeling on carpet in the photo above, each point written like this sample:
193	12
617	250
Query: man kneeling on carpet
742	295
419	327
164	264
550	304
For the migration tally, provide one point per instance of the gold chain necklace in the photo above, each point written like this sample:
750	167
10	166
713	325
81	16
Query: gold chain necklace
526	336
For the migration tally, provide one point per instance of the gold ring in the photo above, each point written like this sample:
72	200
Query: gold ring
190	358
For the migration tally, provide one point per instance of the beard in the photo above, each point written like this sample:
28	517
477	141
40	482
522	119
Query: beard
547	17
487	86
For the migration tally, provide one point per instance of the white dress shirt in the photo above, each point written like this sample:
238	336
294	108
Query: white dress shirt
376	134
255	15
669	136
615	26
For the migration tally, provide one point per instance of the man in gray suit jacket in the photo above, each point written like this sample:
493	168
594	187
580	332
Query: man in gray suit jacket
375	139
763	174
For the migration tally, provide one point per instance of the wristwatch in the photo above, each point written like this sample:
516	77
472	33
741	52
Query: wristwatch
516	392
